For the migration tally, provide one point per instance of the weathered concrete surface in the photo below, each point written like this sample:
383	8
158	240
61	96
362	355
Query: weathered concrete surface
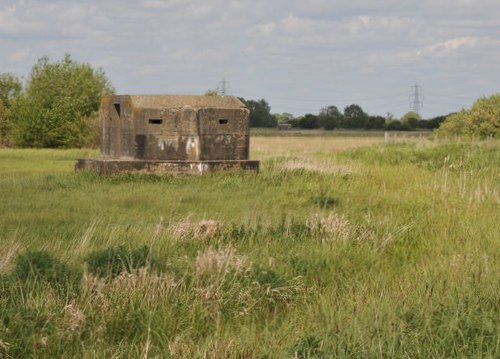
172	134
113	167
172	127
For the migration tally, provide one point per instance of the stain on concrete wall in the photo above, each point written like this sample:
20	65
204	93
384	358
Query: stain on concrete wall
166	127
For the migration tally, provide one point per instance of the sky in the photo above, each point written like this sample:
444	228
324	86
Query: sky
300	56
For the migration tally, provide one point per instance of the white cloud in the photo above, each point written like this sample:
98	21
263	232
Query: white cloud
451	45
13	20
280	49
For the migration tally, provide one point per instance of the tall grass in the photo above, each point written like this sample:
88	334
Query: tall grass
340	247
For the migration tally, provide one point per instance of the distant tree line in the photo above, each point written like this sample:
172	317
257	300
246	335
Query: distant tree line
329	118
59	103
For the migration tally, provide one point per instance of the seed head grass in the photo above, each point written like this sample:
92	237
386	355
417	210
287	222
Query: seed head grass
340	247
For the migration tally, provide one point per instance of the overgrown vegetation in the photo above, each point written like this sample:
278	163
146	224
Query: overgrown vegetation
480	122
57	108
389	250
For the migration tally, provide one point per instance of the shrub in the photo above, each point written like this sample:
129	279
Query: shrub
59	105
41	266
482	121
111	262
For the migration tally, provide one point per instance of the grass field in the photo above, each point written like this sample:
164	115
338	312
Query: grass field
342	246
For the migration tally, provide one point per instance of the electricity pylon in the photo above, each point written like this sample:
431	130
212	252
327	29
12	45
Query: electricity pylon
416	98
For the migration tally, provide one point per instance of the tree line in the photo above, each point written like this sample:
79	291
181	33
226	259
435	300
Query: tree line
59	103
329	118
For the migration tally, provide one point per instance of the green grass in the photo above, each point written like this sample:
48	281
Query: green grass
389	250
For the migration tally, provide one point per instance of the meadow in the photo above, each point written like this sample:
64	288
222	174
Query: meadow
343	246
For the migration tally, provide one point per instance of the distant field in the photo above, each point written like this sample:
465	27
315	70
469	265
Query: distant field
336	133
342	246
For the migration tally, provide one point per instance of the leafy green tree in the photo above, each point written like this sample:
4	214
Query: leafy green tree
397	125
330	117
309	121
59	105
4	124
260	113
10	88
481	121
375	122
434	122
284	117
354	117
211	93
411	119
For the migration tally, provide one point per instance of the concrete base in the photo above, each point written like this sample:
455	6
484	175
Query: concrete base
157	167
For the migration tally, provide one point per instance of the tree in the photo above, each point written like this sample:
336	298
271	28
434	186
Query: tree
10	88
411	119
481	121
375	122
434	122
59	106
309	121
330	117
284	117
4	124
397	125
260	113
354	117
211	93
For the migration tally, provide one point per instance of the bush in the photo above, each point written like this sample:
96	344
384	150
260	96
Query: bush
111	262
309	121
482	121
41	266
396	125
59	106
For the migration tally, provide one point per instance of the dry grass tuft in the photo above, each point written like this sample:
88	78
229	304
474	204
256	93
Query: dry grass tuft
7	253
73	317
204	229
220	262
3	348
150	286
143	279
333	227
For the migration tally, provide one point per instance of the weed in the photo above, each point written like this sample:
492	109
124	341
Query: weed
110	262
390	250
333	227
307	347
220	262
324	201
204	229
40	266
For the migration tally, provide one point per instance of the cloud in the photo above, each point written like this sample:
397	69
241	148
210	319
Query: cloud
265	48
451	45
13	20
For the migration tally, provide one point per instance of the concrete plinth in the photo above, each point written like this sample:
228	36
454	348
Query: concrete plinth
160	167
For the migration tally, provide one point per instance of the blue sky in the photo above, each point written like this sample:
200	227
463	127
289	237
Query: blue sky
298	55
